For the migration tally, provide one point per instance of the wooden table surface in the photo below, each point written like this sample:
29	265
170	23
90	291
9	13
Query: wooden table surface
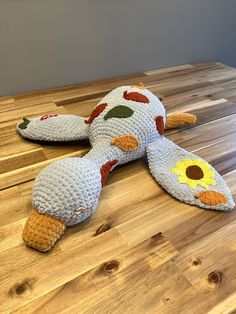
142	251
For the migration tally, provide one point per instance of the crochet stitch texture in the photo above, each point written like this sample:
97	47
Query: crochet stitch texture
127	124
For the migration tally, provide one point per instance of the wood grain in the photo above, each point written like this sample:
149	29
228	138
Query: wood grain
142	251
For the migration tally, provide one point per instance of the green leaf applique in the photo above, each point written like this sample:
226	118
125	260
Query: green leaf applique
24	124
119	112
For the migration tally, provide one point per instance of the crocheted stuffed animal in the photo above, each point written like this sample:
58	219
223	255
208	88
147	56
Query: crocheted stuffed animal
127	124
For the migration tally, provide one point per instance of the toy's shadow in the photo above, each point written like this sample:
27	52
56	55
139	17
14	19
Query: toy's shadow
85	143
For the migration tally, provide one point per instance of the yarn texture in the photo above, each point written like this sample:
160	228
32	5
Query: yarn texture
127	124
179	119
162	158
42	231
54	128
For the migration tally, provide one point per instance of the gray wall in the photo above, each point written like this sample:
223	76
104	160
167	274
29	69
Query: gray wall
49	43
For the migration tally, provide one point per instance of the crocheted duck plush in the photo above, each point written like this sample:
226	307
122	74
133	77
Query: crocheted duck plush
127	124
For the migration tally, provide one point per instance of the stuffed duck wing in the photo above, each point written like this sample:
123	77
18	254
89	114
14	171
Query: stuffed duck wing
53	127
188	177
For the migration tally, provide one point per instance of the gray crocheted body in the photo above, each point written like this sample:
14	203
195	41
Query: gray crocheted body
127	124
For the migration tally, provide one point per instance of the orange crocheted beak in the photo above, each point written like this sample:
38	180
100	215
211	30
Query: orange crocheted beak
42	231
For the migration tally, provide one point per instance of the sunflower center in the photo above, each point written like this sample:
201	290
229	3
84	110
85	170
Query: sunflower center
194	172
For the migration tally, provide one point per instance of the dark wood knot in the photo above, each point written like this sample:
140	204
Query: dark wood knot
103	228
110	267
197	262
215	277
156	239
22	288
157	235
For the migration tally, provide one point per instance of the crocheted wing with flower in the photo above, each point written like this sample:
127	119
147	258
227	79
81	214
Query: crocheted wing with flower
188	177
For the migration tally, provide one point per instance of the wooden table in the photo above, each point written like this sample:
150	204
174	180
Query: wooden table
142	251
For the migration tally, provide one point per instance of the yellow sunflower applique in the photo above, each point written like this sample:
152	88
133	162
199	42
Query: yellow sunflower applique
194	172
